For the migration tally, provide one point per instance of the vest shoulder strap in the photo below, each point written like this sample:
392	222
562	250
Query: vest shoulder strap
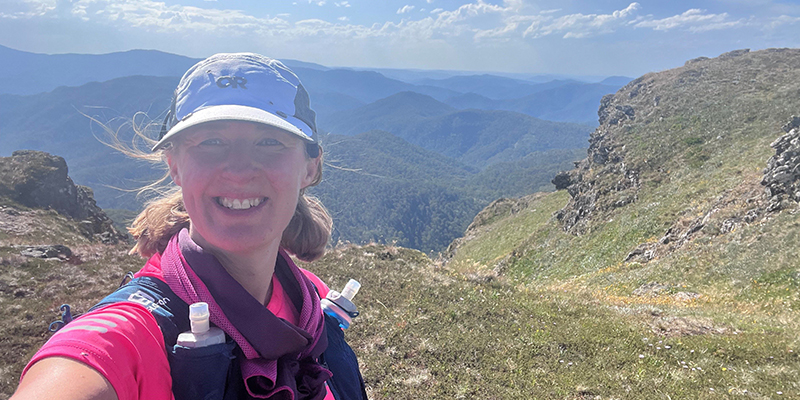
171	313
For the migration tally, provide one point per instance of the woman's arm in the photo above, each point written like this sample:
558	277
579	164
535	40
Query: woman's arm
114	352
63	378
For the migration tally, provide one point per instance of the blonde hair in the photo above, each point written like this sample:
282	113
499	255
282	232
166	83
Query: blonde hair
306	236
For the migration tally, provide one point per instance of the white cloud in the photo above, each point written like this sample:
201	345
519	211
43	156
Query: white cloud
478	21
404	9
156	16
782	20
429	1
580	25
694	20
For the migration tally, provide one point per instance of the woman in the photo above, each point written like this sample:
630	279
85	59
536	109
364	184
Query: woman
240	143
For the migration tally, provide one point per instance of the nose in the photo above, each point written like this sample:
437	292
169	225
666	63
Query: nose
240	164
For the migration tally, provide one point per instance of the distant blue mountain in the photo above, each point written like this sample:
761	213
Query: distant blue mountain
22	72
366	86
491	86
616	81
565	101
385	114
495	87
43	73
475	137
332	90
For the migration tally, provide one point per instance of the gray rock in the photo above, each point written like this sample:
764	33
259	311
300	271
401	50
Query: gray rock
58	251
734	53
686	296
782	175
39	180
792	124
652	289
562	180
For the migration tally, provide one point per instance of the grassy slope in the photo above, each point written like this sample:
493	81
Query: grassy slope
748	279
31	290
438	334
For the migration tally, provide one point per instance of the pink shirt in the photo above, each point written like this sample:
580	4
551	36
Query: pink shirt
123	342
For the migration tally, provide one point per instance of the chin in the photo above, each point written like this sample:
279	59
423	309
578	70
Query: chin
238	241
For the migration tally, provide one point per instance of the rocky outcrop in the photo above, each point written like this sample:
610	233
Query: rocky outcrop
603	180
37	179
781	182
782	175
648	112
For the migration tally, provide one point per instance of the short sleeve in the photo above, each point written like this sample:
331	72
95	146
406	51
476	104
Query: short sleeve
123	342
322	288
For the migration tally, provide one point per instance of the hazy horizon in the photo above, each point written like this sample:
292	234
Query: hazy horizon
581	37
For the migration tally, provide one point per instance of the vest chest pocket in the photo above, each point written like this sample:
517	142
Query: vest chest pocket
200	373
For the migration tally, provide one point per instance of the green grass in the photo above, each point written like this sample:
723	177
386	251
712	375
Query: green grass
32	290
507	235
440	335
731	289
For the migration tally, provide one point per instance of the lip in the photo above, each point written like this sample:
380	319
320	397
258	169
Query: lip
246	211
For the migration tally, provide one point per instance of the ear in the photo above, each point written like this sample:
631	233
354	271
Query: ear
312	171
173	168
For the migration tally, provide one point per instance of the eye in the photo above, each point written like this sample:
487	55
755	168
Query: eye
269	142
211	142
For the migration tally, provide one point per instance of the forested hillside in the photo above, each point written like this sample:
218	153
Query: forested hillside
474	137
381	188
425	210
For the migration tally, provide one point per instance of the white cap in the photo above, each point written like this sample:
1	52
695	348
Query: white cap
240	87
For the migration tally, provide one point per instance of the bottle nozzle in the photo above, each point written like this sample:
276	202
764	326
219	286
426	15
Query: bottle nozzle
351	289
198	316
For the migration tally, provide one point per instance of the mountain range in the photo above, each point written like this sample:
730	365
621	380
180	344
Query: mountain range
492	153
333	89
665	266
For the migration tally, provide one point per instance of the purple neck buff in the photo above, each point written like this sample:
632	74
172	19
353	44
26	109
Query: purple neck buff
279	358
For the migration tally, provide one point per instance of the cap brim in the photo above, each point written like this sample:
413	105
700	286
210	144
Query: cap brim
234	113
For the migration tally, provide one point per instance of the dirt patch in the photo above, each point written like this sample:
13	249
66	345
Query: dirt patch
685	326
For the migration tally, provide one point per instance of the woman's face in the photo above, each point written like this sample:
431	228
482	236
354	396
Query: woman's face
240	182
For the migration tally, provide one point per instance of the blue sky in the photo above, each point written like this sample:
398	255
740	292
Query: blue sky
544	36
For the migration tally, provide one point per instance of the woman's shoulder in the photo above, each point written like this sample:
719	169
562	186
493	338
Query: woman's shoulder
322	288
116	340
101	329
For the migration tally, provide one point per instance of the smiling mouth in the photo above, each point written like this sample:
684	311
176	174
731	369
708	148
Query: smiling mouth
239	204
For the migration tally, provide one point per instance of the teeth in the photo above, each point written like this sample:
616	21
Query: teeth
236	204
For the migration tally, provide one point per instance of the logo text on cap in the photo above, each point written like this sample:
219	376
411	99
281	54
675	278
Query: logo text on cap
231	81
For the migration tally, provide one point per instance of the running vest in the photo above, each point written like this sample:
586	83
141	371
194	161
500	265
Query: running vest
213	372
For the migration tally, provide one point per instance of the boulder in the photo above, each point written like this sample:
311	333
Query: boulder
782	176
37	179
58	251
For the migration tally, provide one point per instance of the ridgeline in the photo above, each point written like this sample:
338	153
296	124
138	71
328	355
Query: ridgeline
666	267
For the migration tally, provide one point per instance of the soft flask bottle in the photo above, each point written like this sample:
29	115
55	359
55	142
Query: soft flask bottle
340	305
201	334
